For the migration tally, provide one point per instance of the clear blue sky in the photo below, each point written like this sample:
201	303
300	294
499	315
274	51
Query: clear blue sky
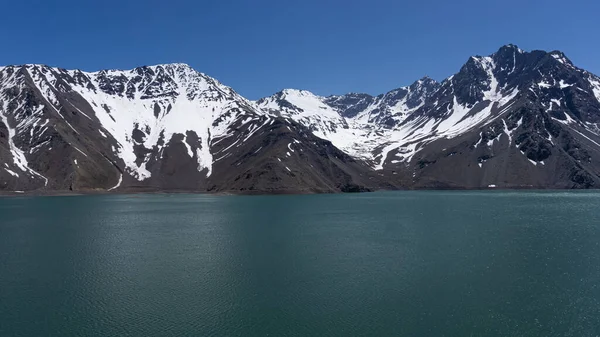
262	46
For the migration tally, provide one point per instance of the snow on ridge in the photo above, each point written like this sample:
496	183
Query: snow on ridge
307	108
43	79
413	135
595	84
381	105
363	138
488	66
560	57
124	100
125	114
359	135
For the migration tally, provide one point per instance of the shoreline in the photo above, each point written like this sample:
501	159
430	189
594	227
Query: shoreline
60	193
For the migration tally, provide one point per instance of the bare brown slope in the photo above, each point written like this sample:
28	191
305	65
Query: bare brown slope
286	158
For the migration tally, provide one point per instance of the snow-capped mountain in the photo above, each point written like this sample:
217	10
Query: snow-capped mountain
157	127
525	99
387	109
136	111
511	119
356	123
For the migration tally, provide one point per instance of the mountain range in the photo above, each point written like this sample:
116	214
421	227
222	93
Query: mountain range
513	119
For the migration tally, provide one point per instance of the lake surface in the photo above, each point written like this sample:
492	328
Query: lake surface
379	264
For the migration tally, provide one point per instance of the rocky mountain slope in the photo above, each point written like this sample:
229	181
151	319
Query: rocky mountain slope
513	119
164	127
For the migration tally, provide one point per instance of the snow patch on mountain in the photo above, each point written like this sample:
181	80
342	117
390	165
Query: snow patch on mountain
361	134
489	66
169	99
18	155
311	111
118	183
595	84
306	108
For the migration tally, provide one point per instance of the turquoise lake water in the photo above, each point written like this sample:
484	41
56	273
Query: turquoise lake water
376	264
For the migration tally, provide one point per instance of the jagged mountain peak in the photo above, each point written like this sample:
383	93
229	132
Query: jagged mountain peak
301	103
425	80
509	49
145	82
508	69
511	55
285	95
561	57
177	66
424	85
292	91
